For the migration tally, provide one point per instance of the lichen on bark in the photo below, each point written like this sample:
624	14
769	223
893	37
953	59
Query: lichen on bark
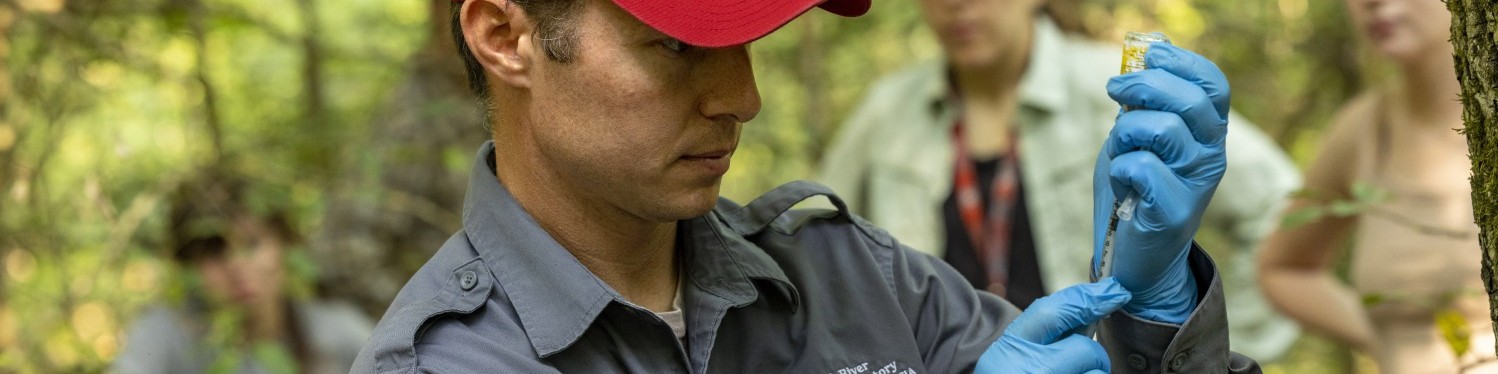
1474	38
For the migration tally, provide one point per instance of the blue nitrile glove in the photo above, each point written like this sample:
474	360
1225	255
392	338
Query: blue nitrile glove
1167	152
1046	339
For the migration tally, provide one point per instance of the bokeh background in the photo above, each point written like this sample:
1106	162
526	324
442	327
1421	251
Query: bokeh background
356	114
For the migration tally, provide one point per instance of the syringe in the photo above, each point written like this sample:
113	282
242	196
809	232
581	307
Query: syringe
1136	44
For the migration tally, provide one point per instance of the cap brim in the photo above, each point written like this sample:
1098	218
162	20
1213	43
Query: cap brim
721	23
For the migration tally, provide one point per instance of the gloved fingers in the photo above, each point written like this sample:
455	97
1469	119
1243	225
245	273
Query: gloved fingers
1195	69
1162	133
1137	172
1160	191
1052	317
1079	354
1158	89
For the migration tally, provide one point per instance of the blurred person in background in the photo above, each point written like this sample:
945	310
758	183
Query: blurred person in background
1392	151
1009	115
237	315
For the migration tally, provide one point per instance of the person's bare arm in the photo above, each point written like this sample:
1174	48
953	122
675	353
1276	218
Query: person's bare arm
1295	264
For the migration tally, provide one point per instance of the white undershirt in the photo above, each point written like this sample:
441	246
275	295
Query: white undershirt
674	317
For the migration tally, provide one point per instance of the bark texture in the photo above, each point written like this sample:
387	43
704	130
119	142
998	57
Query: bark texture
1474	38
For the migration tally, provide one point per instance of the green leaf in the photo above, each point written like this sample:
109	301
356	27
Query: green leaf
1454	329
1302	216
275	358
1345	208
301	275
227	362
1306	193
1366	193
1373	299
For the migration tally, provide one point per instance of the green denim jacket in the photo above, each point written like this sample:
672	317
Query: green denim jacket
892	162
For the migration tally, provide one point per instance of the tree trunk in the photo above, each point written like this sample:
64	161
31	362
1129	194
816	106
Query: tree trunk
1474	38
212	120
318	125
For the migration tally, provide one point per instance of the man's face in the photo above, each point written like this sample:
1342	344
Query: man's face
976	33
637	120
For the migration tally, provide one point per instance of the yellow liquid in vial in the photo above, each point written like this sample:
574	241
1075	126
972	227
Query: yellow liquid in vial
1136	44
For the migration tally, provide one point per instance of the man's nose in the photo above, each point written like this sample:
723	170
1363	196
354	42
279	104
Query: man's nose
731	95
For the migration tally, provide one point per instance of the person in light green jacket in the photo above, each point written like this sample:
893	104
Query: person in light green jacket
984	158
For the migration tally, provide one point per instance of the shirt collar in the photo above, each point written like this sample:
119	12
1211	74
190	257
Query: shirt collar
556	297
1042	86
1039	88
553	294
732	258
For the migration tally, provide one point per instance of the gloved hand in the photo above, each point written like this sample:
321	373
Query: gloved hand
1169	153
1045	338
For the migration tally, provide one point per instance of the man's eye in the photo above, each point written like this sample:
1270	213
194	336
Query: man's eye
675	45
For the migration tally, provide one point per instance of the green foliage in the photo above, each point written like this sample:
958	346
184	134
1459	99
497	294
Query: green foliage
105	106
1454	330
224	336
1303	216
301	274
1365	197
1452	326
276	358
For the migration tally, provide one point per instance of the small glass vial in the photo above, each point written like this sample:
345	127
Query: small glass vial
1136	44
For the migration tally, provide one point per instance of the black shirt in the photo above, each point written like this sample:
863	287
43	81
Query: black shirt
1025	284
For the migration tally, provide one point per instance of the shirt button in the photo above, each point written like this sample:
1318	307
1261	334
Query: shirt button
468	280
1137	362
1180	360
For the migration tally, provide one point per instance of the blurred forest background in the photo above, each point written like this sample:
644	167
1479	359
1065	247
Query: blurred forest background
357	114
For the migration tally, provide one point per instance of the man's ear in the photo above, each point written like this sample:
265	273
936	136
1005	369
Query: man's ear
499	35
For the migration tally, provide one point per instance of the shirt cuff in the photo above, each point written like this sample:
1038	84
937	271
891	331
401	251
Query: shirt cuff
1200	345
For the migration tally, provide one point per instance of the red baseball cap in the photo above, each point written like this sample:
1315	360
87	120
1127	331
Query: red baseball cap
721	23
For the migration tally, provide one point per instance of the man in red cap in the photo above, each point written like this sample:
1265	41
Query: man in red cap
594	239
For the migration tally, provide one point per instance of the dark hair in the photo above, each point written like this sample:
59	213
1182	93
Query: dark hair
553	28
204	209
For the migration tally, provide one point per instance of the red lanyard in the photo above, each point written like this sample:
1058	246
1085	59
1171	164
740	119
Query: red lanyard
989	232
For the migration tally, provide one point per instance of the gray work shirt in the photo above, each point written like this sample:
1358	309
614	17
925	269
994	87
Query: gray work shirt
767	289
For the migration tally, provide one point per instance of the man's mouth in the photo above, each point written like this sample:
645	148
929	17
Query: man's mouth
714	162
710	154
